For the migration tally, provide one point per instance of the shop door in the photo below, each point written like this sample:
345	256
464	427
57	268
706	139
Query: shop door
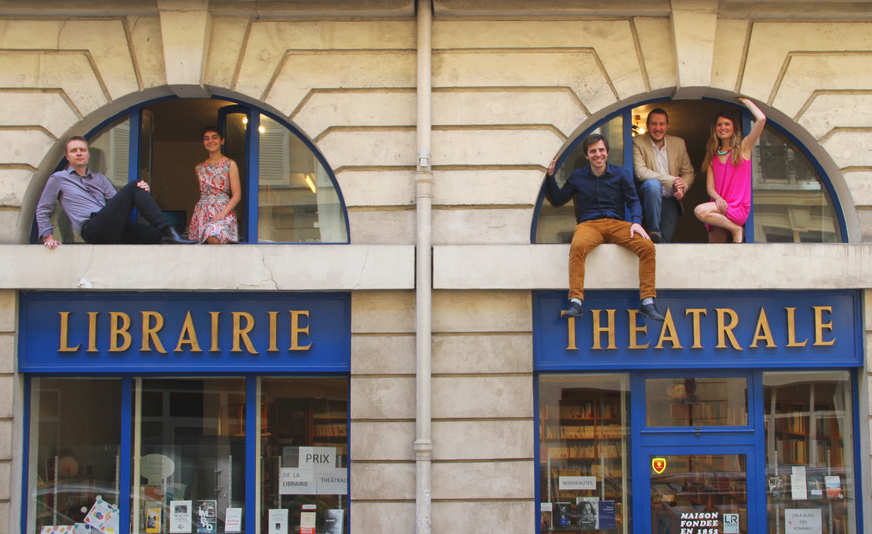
698	458
699	490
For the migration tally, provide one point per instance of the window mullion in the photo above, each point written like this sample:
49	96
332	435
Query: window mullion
125	455
253	162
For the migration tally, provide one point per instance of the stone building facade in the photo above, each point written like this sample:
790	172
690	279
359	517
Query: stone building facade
511	85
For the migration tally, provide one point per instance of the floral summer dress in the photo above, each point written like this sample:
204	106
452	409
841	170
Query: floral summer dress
214	178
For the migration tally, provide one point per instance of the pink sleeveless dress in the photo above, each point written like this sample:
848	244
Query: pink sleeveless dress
733	184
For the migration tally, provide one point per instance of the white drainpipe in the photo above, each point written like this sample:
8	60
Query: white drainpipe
423	276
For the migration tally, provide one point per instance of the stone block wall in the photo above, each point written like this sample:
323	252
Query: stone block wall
508	93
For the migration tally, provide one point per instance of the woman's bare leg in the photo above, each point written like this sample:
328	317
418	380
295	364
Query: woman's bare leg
709	214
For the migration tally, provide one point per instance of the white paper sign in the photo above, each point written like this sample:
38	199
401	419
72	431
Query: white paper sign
293	481
233	520
332	482
307	519
798	483
278	521
803	521
317	459
731	523
180	517
577	483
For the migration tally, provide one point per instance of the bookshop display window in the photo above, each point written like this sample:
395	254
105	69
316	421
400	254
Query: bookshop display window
304	454
189	436
75	430
584	457
155	455
809	451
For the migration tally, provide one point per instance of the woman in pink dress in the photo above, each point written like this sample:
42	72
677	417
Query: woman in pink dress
728	174
214	220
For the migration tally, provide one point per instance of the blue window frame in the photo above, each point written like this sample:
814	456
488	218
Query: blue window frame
290	194
793	198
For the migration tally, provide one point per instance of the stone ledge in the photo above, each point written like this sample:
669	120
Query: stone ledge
695	266
208	268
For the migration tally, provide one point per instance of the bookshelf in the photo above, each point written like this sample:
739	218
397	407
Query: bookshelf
583	434
808	457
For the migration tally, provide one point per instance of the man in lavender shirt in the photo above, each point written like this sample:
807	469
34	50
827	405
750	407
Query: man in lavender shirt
98	213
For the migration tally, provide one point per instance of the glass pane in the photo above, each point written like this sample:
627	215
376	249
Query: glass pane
73	457
304	454
790	204
556	225
110	152
809	451
696	402
699	493
190	451
146	144
297	202
584	457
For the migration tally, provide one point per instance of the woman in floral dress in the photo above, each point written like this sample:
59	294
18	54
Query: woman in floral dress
214	220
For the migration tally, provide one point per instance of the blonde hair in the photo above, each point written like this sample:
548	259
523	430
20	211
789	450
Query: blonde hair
711	148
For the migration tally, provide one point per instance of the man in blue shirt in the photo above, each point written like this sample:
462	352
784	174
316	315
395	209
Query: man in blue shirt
601	192
98	213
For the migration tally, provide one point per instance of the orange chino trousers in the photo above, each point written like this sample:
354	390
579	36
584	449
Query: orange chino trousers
589	234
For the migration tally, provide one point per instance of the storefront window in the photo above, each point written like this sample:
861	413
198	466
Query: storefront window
584	456
75	433
304	455
809	452
189	436
696	402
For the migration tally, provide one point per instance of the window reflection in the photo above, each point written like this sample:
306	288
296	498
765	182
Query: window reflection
297	201
75	432
190	449
790	205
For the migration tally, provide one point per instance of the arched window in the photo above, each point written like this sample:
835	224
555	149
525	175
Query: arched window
289	194
791	197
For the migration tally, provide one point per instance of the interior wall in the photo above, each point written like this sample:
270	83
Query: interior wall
690	120
174	183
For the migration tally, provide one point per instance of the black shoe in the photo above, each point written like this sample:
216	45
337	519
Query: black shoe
655	237
650	311
574	310
171	236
